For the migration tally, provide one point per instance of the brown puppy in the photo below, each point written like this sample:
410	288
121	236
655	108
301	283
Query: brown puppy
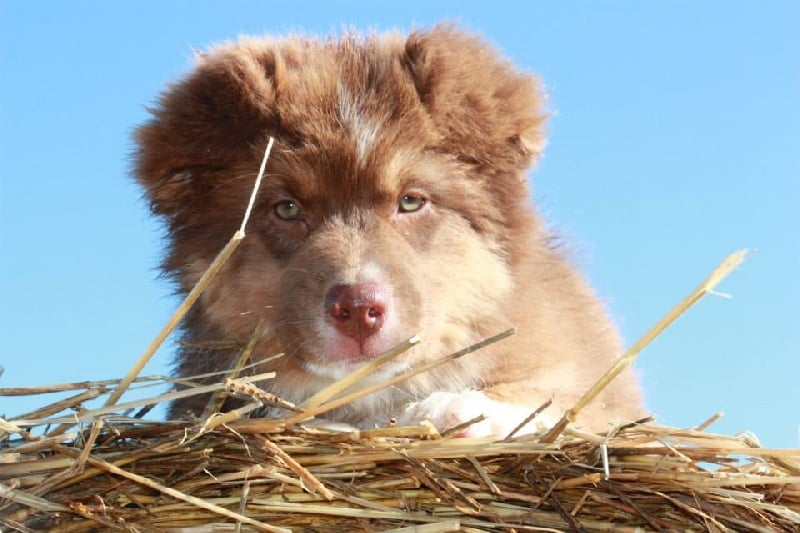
395	202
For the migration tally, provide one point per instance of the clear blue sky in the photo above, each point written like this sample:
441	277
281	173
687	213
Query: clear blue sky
675	141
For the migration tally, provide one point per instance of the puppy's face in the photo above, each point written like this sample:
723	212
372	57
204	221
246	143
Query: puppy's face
367	254
389	205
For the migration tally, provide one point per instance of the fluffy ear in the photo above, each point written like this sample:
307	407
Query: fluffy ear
201	123
491	113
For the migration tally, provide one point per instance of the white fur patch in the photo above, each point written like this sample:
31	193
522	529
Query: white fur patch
334	371
447	409
340	369
363	130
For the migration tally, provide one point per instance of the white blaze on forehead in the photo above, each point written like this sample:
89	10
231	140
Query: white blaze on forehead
352	118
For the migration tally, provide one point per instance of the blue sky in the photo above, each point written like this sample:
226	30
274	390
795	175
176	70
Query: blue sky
674	141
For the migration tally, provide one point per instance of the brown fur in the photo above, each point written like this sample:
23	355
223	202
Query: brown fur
359	123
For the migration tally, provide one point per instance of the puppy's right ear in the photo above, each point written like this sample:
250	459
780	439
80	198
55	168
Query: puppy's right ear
204	122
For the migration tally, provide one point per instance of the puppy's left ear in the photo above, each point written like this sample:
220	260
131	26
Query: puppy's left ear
489	112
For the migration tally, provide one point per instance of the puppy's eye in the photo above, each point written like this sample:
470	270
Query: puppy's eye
409	204
288	210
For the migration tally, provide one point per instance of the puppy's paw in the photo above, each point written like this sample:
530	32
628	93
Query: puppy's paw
448	409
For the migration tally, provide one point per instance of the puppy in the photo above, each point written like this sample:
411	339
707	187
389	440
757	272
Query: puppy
395	203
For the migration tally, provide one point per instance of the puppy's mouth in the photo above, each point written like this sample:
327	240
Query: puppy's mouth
342	356
349	351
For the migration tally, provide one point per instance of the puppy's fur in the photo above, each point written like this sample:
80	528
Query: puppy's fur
395	202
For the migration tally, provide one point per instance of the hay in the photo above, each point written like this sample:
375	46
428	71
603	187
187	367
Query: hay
265	475
66	467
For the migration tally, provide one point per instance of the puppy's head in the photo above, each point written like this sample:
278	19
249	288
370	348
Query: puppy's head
391	203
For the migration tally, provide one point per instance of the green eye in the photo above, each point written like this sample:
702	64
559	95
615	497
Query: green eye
288	210
409	204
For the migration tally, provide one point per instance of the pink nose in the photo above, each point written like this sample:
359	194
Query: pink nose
358	311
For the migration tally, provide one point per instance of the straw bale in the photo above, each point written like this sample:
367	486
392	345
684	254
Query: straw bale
251	474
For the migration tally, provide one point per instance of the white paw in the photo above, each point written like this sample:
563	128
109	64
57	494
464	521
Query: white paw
448	409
